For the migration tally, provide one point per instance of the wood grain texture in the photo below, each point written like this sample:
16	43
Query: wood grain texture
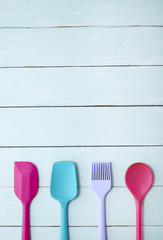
120	208
19	13
149	233
80	126
81	86
43	158
81	46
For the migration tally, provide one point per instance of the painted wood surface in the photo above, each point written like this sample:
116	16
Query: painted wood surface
81	46
81	86
43	158
113	233
76	82
120	208
81	126
51	13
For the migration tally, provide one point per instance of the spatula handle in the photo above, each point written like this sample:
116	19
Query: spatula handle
138	220
25	223
102	230
64	222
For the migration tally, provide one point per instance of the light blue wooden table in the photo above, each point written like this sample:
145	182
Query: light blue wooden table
81	81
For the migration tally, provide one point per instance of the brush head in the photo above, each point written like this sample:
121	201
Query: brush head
101	178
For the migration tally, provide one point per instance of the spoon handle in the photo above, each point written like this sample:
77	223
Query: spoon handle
64	222
25	223
138	220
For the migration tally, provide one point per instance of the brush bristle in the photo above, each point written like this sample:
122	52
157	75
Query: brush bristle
101	171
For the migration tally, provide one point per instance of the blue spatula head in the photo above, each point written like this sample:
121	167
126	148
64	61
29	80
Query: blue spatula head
63	181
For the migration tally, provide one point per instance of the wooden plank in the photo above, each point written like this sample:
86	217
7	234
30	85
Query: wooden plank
52	13
81	46
44	158
81	86
80	126
120	208
80	233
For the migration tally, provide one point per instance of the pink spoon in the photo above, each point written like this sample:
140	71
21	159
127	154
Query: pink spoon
138	179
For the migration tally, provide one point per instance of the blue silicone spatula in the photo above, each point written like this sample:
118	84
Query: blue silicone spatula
63	188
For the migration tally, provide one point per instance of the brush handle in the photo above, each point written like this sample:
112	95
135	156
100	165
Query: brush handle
64	222
102	230
25	223
138	220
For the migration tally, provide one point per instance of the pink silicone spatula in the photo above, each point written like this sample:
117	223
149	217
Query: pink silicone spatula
138	179
25	187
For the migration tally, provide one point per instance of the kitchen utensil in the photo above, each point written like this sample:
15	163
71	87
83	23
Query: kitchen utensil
63	188
101	184
25	187
138	179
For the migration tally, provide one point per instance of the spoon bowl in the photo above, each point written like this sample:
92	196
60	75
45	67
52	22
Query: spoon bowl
138	179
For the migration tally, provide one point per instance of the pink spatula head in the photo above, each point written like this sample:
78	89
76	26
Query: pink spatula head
138	179
25	187
25	181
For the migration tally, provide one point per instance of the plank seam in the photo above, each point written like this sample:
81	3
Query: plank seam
82	26
87	146
84	106
94	226
86	66
113	186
